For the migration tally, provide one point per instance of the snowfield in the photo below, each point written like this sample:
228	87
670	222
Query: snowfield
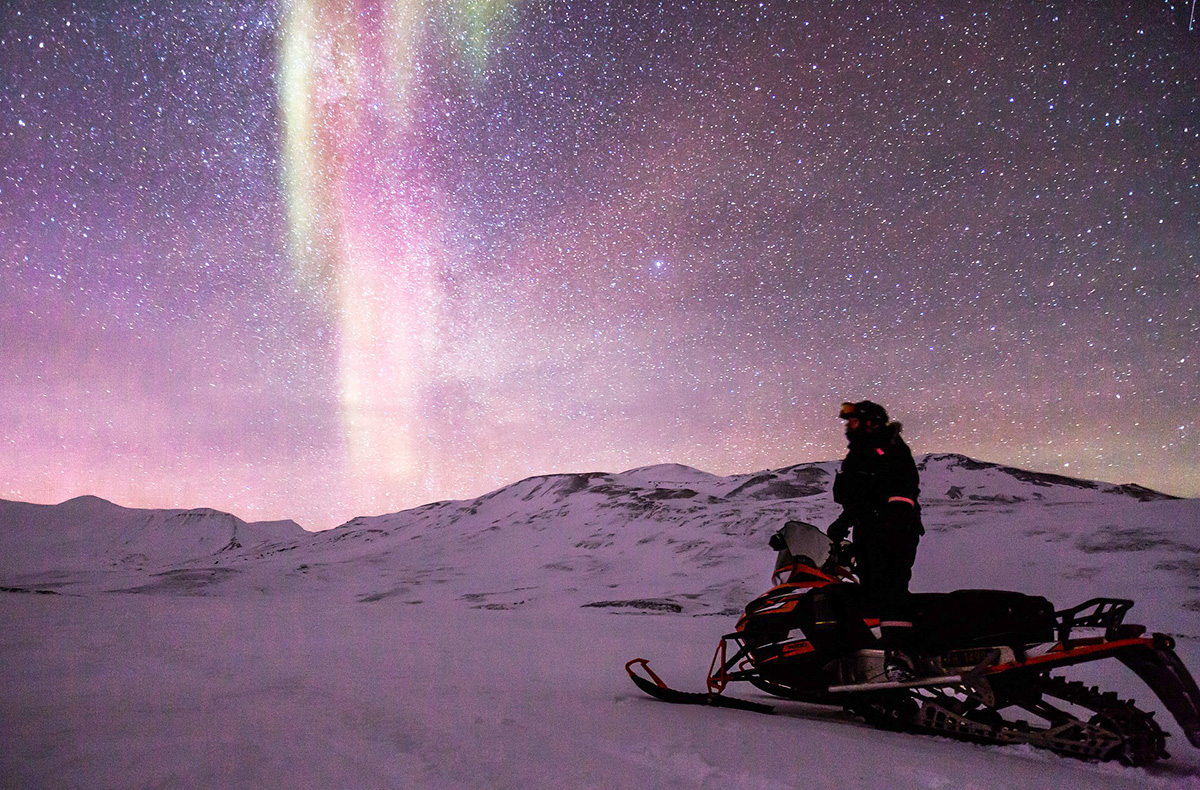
481	643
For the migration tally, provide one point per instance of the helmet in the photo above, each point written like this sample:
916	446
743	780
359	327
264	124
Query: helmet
866	411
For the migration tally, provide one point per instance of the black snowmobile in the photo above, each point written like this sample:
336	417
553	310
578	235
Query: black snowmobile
987	659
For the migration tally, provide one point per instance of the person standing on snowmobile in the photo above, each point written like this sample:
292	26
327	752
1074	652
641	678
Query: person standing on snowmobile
877	488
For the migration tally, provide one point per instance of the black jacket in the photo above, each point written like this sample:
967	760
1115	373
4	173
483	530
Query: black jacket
878	467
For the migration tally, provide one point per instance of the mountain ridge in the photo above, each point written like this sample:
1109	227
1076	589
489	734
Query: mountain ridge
660	538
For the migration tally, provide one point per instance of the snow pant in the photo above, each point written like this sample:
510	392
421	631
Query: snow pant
884	555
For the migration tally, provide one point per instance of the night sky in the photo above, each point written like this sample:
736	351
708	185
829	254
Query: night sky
326	258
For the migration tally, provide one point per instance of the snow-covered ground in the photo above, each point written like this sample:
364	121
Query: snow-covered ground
481	643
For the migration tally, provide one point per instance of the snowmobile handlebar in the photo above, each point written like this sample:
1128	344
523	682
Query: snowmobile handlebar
842	554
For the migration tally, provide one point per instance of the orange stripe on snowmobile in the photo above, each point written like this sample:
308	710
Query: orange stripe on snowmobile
797	567
1060	654
783	607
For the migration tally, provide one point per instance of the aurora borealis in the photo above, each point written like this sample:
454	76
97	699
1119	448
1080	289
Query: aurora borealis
325	258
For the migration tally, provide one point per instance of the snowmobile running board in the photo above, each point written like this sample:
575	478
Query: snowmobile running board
915	683
659	690
972	680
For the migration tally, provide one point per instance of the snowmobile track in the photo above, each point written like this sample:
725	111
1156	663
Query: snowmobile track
1116	730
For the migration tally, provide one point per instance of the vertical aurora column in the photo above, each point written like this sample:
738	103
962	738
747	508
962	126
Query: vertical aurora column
366	222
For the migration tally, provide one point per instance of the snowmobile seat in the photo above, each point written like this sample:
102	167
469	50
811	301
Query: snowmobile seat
981	618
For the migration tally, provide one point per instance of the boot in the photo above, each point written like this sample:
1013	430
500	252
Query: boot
898	666
899	643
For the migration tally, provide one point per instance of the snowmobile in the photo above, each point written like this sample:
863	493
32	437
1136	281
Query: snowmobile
987	658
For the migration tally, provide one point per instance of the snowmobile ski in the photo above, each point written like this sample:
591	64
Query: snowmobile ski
655	687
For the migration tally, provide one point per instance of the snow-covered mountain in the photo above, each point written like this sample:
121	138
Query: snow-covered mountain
522	604
661	538
93	534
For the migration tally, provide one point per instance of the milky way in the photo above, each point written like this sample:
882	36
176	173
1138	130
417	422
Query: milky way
326	258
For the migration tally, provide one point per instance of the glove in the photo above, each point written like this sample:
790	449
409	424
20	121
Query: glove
841	558
839	530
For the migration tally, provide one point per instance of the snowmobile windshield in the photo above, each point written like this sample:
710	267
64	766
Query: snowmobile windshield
804	543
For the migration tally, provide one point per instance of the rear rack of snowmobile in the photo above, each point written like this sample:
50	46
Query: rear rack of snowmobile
1106	613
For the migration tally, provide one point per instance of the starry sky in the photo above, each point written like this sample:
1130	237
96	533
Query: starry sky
316	259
